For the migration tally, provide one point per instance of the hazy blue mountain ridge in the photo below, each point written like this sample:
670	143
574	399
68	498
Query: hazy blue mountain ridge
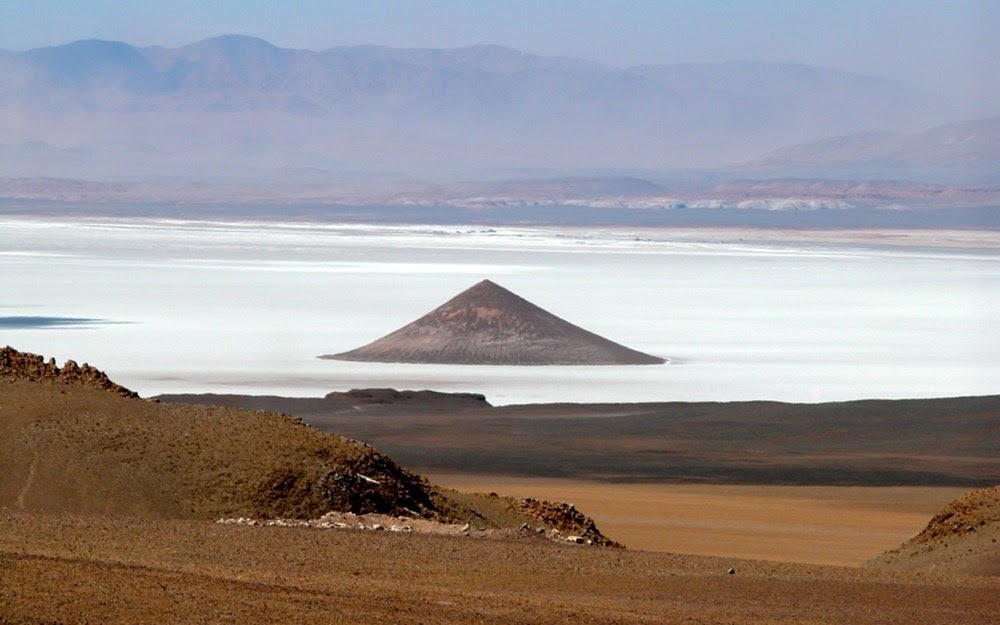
965	152
237	106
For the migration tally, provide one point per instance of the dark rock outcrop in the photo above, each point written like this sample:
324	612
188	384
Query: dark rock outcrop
967	514
381	396
563	517
489	325
24	365
367	483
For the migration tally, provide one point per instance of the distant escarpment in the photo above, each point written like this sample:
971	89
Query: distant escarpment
489	325
17	364
381	396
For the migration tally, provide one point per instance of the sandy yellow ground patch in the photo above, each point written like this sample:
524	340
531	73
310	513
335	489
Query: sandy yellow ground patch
809	524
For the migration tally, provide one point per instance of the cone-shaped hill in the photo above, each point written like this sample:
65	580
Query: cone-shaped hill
489	325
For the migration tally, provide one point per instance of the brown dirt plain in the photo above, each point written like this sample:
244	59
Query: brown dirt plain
57	568
107	502
837	525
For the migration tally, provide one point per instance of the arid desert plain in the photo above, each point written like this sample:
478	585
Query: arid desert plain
120	509
520	312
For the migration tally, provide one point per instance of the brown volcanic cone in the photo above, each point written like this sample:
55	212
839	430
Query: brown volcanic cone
489	325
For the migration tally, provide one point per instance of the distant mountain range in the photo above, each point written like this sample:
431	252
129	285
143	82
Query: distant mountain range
966	152
238	108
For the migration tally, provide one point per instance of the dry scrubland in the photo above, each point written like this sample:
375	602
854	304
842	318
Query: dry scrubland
107	501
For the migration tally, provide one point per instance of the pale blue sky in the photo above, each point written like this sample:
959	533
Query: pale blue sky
947	44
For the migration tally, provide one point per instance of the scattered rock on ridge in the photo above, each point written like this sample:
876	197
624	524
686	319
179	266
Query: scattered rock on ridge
565	519
24	365
976	509
407	525
964	537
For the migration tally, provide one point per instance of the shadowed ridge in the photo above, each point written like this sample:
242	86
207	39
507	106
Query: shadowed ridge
490	325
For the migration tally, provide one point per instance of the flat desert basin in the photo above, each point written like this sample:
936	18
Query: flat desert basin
838	525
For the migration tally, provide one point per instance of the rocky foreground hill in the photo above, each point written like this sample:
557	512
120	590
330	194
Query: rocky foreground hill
962	538
15	364
69	448
73	441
